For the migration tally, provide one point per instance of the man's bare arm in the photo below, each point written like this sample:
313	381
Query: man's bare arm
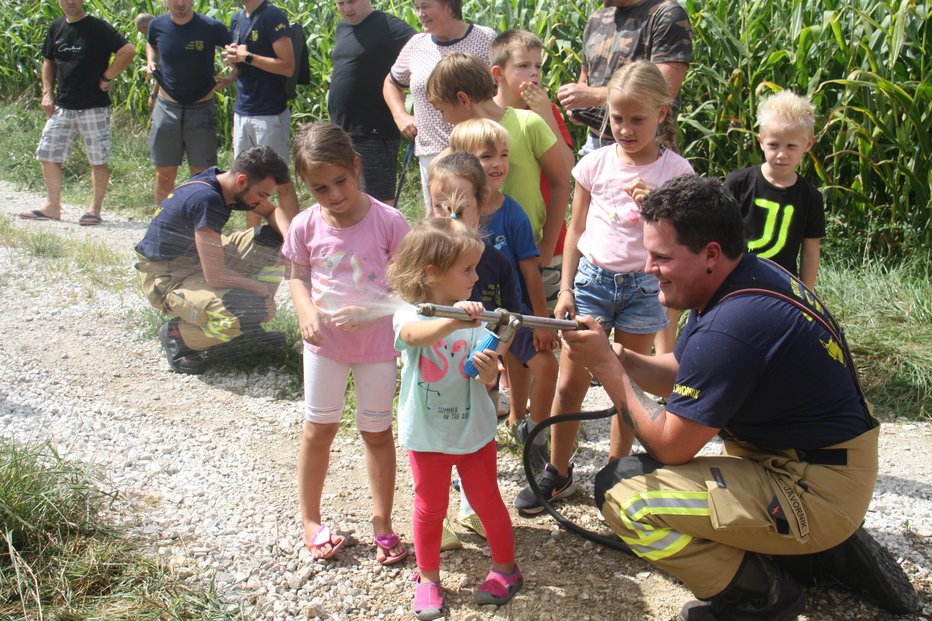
674	74
669	438
49	70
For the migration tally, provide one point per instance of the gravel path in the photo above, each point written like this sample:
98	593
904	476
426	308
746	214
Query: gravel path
208	463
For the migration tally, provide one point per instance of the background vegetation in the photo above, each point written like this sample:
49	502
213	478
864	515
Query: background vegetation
864	63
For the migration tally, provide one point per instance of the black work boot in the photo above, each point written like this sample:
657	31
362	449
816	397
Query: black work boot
181	358
251	343
760	591
861	564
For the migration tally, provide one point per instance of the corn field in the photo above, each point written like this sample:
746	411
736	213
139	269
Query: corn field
863	63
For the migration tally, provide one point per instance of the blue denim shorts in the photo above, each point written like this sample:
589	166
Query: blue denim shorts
627	302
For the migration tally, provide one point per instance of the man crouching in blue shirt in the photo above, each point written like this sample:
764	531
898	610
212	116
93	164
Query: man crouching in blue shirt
219	289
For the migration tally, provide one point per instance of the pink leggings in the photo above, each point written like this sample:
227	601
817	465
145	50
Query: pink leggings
479	477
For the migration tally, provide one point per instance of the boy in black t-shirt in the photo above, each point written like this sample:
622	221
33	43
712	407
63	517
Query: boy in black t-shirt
784	217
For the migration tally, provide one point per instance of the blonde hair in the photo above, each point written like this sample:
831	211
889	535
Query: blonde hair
436	242
319	144
477	134
449	164
460	72
506	44
643	81
786	110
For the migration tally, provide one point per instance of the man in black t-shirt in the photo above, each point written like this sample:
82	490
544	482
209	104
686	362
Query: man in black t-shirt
761	363
366	44
180	53
77	56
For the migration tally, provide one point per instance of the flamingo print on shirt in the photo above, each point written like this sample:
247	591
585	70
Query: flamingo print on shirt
435	363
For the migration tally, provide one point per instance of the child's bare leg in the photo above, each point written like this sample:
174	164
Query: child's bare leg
666	338
571	390
381	467
622	437
545	368
519	378
313	461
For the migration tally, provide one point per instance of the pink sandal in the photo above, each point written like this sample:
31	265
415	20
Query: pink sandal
386	543
499	587
322	537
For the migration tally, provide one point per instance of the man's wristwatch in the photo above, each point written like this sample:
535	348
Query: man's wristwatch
249	57
104	77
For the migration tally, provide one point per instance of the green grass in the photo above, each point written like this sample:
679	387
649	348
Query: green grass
97	266
887	316
60	559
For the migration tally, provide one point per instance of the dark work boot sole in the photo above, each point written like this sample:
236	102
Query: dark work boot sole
250	344
179	357
698	610
865	566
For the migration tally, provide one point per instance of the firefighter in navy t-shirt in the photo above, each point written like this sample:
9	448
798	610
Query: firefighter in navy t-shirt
769	371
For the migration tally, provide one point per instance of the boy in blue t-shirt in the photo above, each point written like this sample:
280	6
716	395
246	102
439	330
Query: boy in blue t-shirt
784	216
532	367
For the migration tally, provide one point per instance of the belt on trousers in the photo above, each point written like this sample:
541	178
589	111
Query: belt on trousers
823	457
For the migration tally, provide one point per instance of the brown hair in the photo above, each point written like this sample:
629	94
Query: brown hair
460	72
259	163
456	6
322	144
509	42
435	241
642	79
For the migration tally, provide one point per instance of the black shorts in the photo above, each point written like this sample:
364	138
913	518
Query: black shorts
379	166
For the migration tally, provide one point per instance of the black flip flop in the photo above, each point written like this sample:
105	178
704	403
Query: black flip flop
37	215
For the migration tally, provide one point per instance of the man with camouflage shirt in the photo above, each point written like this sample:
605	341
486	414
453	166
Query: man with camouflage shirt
623	31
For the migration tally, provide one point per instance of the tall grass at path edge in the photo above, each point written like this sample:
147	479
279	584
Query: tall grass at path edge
60	557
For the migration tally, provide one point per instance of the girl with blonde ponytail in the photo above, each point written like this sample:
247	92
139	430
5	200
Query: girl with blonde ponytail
604	254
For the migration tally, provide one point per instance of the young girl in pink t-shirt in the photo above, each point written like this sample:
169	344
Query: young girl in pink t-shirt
338	250
604	254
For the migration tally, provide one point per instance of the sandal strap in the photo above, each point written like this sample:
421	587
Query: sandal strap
322	536
387	541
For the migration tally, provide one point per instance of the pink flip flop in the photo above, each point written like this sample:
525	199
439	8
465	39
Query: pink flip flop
322	538
387	542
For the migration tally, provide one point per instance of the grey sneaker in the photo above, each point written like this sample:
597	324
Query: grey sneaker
552	487
540	454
